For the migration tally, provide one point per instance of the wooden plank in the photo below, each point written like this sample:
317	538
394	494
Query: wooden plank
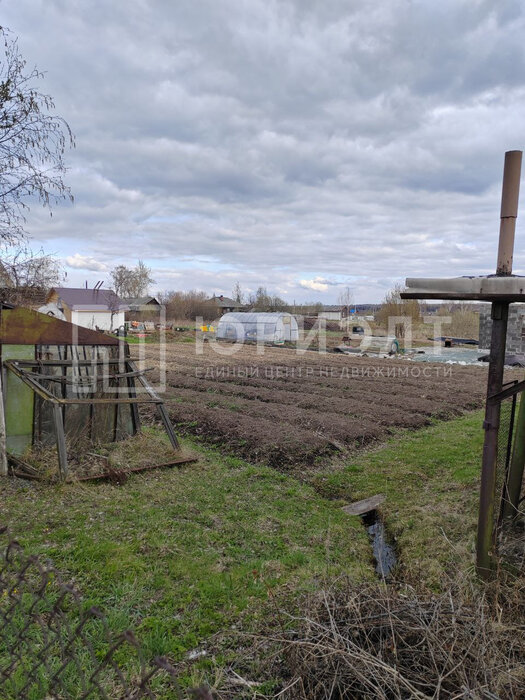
133	470
364	506
67	363
24	466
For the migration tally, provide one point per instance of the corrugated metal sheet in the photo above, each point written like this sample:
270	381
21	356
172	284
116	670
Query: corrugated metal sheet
81	298
22	326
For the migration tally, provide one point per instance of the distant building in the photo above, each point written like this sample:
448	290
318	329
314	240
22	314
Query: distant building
333	312
225	304
515	328
142	308
137	303
99	309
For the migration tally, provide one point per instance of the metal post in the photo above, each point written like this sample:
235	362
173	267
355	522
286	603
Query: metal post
516	468
486	542
509	211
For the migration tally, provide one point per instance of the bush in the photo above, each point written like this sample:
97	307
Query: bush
189	305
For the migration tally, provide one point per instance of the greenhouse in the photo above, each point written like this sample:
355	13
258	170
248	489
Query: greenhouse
258	327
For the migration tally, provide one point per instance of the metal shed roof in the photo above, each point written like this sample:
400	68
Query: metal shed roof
135	302
224	302
79	298
23	326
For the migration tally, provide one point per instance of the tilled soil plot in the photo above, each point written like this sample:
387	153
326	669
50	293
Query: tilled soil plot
289	409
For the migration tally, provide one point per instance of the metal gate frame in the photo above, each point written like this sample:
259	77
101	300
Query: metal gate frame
509	462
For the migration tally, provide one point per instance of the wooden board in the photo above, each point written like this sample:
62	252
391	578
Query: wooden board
364	506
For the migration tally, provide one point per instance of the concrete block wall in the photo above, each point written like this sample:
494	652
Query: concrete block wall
515	328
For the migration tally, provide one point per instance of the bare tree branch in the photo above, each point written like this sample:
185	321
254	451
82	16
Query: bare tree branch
32	143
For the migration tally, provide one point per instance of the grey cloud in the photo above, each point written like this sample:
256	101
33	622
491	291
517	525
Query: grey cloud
284	141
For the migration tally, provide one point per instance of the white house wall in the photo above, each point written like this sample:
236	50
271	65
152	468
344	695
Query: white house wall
98	319
330	315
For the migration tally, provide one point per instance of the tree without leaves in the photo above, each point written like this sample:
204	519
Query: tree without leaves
463	320
143	278
262	301
346	298
119	279
395	307
32	143
187	306
308	308
131	282
237	293
26	276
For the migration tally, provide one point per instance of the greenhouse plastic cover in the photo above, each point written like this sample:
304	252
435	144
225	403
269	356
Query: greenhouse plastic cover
262	327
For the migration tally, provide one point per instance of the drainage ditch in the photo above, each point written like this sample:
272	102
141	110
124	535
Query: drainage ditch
383	548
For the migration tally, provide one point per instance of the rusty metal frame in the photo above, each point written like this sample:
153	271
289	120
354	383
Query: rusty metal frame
508	457
16	366
512	482
515	388
23	370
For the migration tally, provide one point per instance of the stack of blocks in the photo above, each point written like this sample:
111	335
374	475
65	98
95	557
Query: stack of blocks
515	328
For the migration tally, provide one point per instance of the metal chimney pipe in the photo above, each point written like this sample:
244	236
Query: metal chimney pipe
509	211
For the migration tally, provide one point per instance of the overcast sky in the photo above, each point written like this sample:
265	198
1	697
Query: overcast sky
304	146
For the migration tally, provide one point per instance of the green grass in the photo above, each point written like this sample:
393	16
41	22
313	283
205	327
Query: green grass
431	482
134	340
182	553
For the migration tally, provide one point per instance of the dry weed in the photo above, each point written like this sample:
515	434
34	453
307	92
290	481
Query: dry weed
378	641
